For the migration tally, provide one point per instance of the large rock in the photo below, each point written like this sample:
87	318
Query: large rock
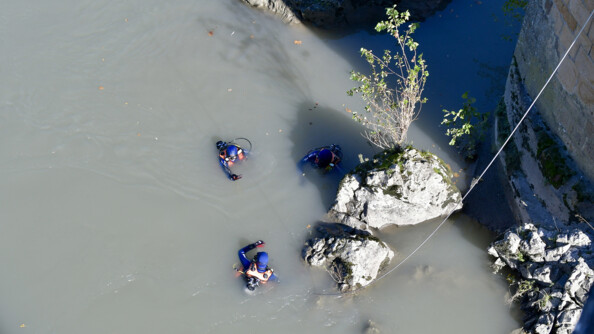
336	13
566	320
544	324
579	283
404	187
276	7
352	257
543	274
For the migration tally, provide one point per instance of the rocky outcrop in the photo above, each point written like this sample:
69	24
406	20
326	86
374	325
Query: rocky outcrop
396	187
332	13
276	7
552	274
352	257
403	187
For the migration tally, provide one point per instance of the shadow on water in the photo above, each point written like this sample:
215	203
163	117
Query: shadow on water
488	202
481	237
475	233
454	44
317	126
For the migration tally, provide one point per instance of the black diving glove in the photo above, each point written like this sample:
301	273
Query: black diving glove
235	177
259	243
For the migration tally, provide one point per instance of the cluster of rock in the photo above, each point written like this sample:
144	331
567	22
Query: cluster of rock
400	187
331	13
552	274
353	257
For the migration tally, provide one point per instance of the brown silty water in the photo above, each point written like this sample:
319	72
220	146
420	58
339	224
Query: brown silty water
116	218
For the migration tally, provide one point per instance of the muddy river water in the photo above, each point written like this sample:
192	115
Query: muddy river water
116	218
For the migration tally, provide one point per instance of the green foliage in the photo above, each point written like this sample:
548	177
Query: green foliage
382	161
552	161
513	13
466	127
393	89
525	285
515	9
544	300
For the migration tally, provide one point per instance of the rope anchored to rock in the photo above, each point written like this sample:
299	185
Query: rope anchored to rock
475	181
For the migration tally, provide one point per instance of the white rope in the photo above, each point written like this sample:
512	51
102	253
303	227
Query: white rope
475	181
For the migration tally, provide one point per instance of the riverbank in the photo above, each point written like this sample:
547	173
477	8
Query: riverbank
334	14
535	183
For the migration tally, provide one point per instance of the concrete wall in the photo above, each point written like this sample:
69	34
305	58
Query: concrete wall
567	105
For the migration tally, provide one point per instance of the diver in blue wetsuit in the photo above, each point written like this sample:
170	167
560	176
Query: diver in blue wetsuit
229	153
326	157
256	271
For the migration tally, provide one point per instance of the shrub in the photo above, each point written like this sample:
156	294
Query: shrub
466	127
392	92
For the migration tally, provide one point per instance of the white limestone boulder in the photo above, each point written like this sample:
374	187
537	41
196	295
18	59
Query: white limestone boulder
399	188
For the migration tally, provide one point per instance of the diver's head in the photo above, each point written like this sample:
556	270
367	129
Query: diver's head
324	158
262	260
232	150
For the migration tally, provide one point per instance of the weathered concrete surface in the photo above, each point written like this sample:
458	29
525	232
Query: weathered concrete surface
567	105
547	186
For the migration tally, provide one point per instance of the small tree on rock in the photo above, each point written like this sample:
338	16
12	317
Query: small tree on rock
392	92
466	127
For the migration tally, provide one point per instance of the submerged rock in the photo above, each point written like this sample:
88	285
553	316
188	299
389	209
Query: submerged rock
353	257
371	328
403	187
